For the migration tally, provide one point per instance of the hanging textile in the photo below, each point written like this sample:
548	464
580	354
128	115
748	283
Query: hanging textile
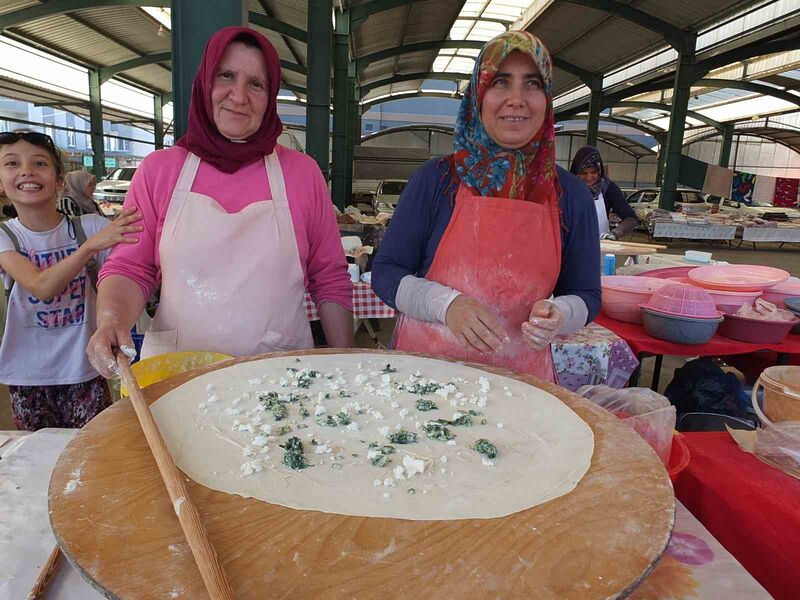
742	187
764	190
718	181
786	192
692	172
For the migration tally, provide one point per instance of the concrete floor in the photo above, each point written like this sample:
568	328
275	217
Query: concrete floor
787	258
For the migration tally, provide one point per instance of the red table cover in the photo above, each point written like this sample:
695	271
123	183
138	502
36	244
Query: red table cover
640	341
752	508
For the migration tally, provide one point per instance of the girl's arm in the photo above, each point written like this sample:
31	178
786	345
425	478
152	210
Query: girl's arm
47	283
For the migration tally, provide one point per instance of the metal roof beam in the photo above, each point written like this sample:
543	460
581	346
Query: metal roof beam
751	51
667	108
673	35
748	86
107	73
365	106
276	25
61	7
358	14
366	89
458	44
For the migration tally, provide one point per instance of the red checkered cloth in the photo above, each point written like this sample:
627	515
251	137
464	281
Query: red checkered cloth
366	304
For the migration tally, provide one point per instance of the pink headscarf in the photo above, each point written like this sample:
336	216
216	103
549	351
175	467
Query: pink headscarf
202	137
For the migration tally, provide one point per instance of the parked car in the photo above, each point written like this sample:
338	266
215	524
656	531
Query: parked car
114	187
755	209
645	200
388	194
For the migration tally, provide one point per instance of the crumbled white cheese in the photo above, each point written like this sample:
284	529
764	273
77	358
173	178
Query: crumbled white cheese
388	482
259	441
319	409
377	483
384	431
443	459
373	453
213	398
254	381
266	429
413	466
255	420
386	495
321	397
500	425
323	448
399	472
236	401
201	405
360	379
210	387
353	426
403	413
487	462
232	411
395	405
386	378
248	451
451	442
283	382
509	394
251	467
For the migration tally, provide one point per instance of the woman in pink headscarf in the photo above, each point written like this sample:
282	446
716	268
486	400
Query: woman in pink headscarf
237	227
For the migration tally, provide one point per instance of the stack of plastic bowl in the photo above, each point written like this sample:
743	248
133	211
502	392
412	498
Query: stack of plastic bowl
793	306
624	294
777	294
682	314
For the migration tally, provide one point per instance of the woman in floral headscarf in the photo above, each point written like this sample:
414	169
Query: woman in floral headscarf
237	227
482	238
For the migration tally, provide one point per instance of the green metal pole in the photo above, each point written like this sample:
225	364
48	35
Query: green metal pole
193	22
727	142
595	106
96	125
158	121
354	132
341	105
677	120
318	99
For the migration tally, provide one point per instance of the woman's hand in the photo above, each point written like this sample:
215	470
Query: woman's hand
474	326
543	324
102	344
114	233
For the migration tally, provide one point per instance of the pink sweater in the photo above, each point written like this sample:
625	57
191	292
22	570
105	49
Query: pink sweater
313	218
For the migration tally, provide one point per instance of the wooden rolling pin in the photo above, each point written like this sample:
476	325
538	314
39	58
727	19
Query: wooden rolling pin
637	244
210	570
46	574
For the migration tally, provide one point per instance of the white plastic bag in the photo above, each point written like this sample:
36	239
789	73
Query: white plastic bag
650	414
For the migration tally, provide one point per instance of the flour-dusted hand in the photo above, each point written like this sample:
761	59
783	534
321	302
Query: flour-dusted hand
114	234
474	326
543	325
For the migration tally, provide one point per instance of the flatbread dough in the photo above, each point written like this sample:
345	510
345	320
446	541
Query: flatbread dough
217	431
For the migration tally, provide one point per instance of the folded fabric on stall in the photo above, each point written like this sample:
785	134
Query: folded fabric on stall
718	181
785	192
764	190
692	172
742	187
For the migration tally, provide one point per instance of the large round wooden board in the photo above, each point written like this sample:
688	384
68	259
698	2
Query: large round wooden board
116	524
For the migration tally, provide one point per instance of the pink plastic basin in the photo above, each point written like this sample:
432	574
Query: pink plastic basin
623	294
667	272
777	294
683	301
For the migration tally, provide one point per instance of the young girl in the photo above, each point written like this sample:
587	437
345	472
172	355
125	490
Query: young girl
51	301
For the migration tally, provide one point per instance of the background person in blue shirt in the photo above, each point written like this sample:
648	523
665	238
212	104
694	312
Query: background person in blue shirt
482	238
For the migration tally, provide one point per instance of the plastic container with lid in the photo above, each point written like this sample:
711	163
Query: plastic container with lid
683	301
738	278
623	295
778	293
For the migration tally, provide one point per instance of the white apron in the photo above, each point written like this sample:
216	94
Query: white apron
231	283
602	215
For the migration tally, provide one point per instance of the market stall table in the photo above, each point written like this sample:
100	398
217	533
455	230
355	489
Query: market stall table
694	565
691	231
752	508
779	233
366	305
644	345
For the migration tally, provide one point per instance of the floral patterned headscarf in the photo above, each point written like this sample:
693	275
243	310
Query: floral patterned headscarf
527	173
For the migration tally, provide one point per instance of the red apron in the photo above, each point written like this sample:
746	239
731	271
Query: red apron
507	255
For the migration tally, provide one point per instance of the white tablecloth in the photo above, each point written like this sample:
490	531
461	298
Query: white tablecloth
693	232
771	234
694	566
